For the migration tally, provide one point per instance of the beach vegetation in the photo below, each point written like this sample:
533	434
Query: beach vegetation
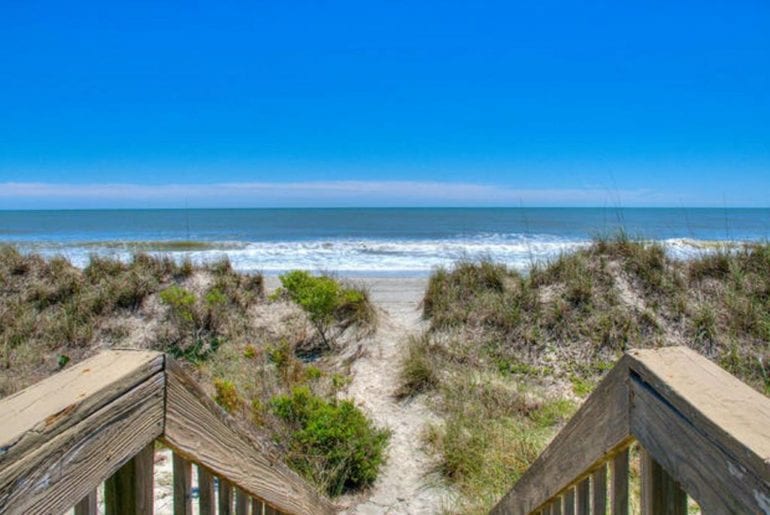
508	354
330	441
216	321
330	305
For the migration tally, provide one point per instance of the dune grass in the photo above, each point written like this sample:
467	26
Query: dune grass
53	314
508	354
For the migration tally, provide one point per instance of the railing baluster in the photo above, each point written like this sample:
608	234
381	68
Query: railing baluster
569	501
225	497
556	506
257	507
241	502
584	497
619	491
130	490
661	495
599	491
182	486
206	496
87	506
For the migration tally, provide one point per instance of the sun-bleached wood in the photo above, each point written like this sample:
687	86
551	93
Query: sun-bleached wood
595	431
201	431
129	491
37	414
58	473
206	495
720	481
599	491
182	486
87	505
711	399
619	489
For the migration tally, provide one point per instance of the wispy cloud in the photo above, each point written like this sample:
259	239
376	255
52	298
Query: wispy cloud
314	193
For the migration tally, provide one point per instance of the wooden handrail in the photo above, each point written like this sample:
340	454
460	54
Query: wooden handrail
64	436
702	430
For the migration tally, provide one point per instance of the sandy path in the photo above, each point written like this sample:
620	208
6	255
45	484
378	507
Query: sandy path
403	485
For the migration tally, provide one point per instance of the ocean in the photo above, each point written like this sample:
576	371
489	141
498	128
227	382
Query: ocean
369	241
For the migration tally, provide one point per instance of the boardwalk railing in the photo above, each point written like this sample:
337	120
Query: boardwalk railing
702	433
98	422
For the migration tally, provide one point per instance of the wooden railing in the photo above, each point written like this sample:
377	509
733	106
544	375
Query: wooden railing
98	422
701	433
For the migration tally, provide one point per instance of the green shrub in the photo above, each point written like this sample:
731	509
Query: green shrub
181	302
327	302
330	442
227	395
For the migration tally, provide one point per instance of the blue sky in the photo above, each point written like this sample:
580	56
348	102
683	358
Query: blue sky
160	104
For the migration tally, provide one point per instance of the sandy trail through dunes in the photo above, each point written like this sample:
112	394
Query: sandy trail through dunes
405	484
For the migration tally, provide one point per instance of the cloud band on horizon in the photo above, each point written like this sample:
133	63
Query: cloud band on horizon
25	195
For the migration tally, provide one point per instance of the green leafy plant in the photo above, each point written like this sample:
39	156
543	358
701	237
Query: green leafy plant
327	302
330	442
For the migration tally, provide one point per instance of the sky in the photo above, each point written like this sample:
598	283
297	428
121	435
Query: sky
384	103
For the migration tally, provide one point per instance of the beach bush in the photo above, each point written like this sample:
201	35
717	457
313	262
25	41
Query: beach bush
330	441
328	303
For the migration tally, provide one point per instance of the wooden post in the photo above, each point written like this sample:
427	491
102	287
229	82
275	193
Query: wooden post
599	494
241	502
556	506
182	486
269	510
206	498
661	495
87	506
130	490
225	497
584	497
569	501
257	507
619	491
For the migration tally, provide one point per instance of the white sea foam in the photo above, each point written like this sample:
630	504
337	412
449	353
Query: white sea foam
362	256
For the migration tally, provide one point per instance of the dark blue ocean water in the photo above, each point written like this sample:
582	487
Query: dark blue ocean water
368	240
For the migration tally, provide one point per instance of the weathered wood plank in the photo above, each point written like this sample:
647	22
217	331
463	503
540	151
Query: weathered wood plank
182	486
129	491
206	496
58	473
734	415
37	414
87	505
599	427
619	491
599	491
225	498
661	495
241	502
720	481
201	431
